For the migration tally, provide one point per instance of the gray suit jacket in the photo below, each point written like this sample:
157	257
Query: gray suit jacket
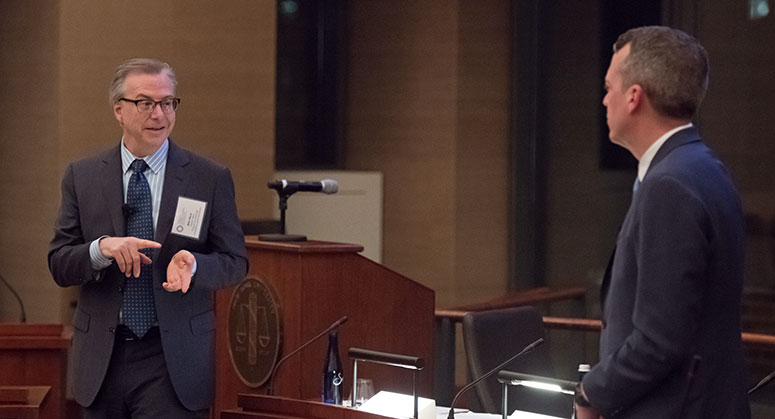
674	291
92	199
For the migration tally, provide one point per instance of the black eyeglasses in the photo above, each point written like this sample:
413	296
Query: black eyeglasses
148	106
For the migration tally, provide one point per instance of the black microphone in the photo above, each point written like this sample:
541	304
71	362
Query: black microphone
766	380
527	349
23	314
327	186
334	325
126	209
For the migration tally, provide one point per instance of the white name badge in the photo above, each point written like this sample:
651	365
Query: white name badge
188	217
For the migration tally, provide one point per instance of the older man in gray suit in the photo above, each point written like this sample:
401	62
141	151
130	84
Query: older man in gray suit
671	297
148	231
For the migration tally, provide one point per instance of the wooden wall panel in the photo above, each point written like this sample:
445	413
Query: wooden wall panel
56	61
224	59
29	105
427	105
401	111
482	175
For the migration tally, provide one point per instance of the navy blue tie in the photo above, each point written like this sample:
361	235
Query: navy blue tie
139	311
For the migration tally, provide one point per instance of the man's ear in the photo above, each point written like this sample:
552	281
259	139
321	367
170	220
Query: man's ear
117	108
635	97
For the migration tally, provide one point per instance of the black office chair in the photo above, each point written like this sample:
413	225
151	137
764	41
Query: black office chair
492	337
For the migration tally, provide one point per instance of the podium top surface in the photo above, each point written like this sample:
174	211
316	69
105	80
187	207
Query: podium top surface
34	336
30	329
308	246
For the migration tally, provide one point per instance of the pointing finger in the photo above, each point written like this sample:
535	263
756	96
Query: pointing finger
148	244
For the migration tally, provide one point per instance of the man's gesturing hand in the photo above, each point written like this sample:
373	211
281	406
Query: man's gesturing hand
126	252
179	272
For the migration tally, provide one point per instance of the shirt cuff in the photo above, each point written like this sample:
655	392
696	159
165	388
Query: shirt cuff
98	260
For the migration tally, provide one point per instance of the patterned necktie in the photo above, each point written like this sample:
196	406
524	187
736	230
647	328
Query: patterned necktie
139	311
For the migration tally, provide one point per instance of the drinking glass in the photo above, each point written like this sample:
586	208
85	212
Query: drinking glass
364	391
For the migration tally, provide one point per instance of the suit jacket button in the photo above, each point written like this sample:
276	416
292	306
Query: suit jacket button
112	329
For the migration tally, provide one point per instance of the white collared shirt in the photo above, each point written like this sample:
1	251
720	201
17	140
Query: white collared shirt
645	160
157	164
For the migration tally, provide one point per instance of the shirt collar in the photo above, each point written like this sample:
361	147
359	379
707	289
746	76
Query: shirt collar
155	162
645	160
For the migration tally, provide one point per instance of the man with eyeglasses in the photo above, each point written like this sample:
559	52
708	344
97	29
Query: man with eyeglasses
148	231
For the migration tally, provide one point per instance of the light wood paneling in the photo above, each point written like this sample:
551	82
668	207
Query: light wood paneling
401	110
482	156
224	60
29	106
427	106
56	61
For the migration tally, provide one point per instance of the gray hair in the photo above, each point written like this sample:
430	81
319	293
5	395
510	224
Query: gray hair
137	66
671	66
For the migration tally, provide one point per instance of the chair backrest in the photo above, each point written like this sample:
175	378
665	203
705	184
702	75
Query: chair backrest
493	336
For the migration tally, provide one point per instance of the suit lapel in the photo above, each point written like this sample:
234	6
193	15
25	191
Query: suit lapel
680	138
176	179
112	187
606	280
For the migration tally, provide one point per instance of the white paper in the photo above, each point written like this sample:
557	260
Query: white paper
188	217
401	406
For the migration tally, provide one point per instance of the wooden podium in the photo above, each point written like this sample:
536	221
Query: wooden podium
316	283
23	401
36	355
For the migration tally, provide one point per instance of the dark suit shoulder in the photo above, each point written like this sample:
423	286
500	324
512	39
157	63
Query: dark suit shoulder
185	157
689	161
90	167
102	156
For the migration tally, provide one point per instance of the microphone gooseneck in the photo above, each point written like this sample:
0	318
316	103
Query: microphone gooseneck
334	325
527	349
22	314
764	381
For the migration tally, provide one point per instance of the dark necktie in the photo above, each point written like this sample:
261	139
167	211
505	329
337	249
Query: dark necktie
139	312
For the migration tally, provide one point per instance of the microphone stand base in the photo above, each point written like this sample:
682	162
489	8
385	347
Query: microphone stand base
282	237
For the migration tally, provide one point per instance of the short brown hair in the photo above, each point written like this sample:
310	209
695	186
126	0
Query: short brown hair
671	66
137	66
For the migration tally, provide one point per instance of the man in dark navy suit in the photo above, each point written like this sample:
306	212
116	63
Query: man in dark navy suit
671	296
148	231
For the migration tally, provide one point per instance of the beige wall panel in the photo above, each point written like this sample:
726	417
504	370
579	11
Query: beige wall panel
428	106
28	156
57	60
401	101
482	171
223	54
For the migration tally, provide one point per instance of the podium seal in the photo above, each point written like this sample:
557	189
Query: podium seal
254	331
